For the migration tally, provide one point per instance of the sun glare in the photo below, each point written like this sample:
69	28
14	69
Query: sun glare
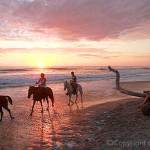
41	65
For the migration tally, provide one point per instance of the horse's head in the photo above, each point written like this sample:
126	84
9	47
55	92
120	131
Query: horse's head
65	85
31	91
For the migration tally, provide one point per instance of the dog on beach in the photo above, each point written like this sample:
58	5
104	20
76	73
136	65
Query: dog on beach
4	104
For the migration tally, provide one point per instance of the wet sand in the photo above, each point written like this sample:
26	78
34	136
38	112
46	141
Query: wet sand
104	121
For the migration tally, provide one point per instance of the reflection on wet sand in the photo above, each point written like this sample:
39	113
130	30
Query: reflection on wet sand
75	108
54	128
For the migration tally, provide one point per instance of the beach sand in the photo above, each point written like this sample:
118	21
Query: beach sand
106	120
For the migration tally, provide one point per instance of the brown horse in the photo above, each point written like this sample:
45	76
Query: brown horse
40	93
4	104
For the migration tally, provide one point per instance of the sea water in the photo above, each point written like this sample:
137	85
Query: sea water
23	76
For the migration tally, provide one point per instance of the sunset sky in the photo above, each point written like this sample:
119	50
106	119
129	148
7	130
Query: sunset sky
74	32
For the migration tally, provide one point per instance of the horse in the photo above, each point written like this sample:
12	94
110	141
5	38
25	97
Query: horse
4	104
70	91
40	93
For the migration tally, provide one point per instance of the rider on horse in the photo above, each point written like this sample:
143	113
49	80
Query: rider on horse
42	85
74	82
42	81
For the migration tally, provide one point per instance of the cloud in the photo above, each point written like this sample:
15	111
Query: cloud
72	19
78	51
94	55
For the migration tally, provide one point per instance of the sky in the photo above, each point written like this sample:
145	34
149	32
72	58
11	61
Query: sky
43	33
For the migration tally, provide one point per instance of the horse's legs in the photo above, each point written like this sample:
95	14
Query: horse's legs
41	106
69	100
81	100
76	97
52	102
47	104
32	107
52	99
81	94
9	112
1	113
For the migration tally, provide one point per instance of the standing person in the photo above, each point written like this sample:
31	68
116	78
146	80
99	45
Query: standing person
117	76
74	82
42	81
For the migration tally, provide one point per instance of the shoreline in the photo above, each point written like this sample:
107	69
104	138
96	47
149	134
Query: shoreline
113	125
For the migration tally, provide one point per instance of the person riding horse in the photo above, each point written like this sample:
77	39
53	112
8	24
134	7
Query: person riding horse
42	92
74	82
42	85
42	81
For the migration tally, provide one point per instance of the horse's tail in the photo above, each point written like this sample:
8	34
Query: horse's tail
51	95
9	100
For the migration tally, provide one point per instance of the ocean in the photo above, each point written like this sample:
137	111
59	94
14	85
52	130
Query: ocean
17	77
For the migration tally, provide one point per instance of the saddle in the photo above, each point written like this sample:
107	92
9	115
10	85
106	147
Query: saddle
42	92
74	87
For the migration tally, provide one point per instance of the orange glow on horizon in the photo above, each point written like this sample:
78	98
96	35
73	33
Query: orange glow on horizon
84	53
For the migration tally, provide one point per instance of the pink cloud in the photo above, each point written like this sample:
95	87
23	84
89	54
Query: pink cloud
74	19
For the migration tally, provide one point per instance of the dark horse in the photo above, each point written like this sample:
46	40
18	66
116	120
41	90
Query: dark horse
40	93
4	104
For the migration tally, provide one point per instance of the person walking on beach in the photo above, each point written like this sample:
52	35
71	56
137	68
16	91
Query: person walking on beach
42	81
74	82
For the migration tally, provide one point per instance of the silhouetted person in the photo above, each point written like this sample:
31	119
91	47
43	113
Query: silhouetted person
42	81
41	86
117	76
74	82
